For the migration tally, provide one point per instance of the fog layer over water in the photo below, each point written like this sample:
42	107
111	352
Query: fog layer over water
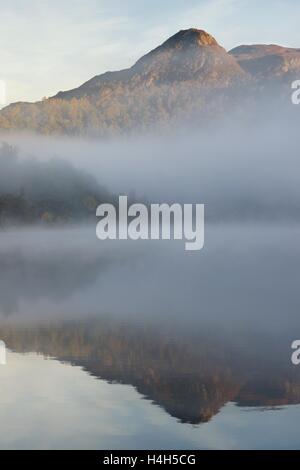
248	179
246	274
191	331
237	171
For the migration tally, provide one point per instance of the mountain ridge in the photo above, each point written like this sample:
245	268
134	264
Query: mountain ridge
188	76
267	60
179	58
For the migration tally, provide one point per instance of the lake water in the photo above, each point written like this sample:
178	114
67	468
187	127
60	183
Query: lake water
127	345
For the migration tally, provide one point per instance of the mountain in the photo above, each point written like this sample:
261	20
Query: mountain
189	55
190	76
267	61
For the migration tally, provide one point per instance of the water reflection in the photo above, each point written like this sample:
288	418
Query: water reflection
193	334
190	379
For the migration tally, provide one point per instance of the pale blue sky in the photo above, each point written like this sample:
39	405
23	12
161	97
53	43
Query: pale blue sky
51	45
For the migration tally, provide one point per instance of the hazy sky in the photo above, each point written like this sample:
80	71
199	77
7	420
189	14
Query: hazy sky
47	46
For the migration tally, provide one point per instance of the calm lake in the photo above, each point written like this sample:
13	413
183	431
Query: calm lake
127	345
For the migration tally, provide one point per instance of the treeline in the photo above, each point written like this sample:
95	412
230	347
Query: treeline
117	109
49	192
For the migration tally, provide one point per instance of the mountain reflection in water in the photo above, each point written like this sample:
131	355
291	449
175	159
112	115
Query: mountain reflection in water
190	379
192	334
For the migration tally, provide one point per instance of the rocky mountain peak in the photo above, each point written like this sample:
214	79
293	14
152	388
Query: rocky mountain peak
189	37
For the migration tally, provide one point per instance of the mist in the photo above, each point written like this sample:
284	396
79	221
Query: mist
190	330
247	274
240	172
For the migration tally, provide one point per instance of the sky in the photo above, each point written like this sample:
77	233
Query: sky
52	45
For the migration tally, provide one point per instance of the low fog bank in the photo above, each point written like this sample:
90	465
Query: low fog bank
248	272
246	277
240	172
53	191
